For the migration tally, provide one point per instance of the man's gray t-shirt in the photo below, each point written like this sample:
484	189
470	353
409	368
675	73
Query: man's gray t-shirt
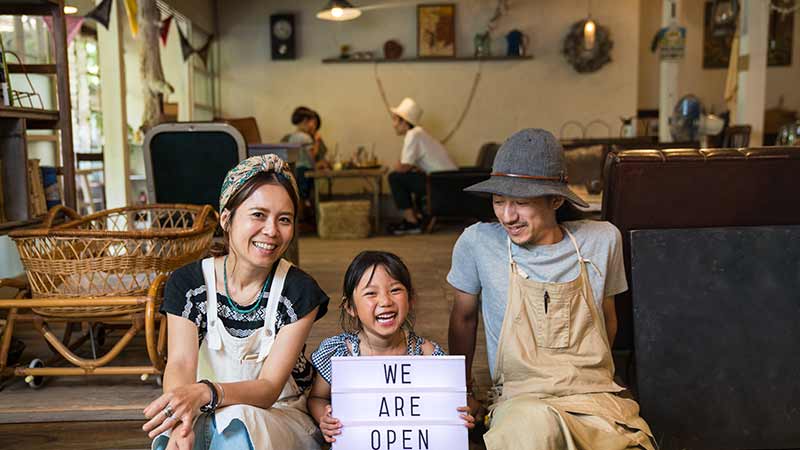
480	266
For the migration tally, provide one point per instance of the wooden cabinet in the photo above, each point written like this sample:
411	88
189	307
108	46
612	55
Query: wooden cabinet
14	121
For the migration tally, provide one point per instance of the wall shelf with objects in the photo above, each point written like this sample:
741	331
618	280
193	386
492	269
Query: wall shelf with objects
426	59
22	202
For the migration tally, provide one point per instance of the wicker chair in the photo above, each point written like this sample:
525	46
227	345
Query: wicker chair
108	270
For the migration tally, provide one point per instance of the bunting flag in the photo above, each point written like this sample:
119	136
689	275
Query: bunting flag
132	9
187	50
101	13
203	52
164	30
186	46
73	26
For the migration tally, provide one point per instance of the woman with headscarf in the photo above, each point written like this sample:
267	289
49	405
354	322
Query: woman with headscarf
238	322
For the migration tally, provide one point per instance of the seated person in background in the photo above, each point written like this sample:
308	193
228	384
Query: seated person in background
376	317
421	154
321	158
306	121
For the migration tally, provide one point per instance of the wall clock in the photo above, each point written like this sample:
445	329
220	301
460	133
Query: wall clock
282	36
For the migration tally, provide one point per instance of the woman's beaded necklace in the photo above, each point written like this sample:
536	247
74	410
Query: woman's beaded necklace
228	295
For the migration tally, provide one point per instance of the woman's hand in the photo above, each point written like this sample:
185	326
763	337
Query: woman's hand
330	426
180	405
180	443
469	420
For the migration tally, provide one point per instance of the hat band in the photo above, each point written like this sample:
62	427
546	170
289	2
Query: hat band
562	178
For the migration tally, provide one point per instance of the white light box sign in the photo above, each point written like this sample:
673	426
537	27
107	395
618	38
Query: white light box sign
399	402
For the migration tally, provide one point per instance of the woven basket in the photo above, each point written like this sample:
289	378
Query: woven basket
348	219
117	252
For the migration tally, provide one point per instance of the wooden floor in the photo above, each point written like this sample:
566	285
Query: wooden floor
105	412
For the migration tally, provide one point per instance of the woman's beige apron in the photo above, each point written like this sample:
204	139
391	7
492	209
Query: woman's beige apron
227	359
554	375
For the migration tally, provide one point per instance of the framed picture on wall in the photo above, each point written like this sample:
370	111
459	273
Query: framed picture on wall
779	40
717	47
436	30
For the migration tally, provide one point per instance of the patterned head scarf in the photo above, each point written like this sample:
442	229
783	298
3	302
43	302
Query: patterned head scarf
247	169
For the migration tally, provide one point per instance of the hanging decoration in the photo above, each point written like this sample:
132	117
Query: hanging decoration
73	26
101	13
670	41
587	55
186	46
784	7
187	50
133	21
164	29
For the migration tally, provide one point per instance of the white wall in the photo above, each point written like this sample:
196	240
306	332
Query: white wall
544	92
707	84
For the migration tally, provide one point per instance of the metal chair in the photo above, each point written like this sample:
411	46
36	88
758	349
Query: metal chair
186	162
736	136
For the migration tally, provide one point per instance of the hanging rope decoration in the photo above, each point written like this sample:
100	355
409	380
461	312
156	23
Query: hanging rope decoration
784	7
460	120
587	60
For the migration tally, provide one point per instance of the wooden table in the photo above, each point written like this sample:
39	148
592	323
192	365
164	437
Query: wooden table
373	177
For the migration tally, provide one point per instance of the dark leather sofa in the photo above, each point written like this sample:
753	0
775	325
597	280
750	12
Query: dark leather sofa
690	188
445	190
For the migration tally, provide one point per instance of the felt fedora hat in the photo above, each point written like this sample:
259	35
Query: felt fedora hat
408	110
529	164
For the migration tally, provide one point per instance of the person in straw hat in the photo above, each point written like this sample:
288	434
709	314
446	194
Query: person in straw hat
547	297
421	154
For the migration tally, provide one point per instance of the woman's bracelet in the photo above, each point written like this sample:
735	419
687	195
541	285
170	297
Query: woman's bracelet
212	405
221	395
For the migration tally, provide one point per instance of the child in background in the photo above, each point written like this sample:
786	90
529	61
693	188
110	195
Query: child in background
376	316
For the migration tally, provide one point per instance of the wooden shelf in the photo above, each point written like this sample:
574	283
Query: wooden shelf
41	138
6	227
35	119
29	7
15	121
437	59
32	68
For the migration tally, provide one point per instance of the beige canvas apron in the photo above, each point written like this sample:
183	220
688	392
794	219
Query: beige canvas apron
227	359
554	375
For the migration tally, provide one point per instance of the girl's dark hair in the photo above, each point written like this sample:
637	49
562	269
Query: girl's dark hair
244	192
369	261
301	113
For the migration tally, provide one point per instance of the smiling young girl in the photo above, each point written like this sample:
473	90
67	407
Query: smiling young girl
237	327
376	316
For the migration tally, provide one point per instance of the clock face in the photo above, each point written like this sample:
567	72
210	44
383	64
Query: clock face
282	29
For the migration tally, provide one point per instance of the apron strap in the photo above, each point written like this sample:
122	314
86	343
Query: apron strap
581	259
212	332
271	314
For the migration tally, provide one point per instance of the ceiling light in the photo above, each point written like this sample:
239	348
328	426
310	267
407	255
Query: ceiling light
338	10
68	9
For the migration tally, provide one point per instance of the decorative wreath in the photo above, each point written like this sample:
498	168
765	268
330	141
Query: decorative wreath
583	60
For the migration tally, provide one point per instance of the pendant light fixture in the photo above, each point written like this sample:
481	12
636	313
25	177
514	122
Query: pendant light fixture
339	11
589	30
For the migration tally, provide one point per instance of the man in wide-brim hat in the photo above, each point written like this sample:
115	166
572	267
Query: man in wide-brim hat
546	292
421	155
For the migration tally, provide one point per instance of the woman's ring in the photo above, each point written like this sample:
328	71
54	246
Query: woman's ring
168	410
